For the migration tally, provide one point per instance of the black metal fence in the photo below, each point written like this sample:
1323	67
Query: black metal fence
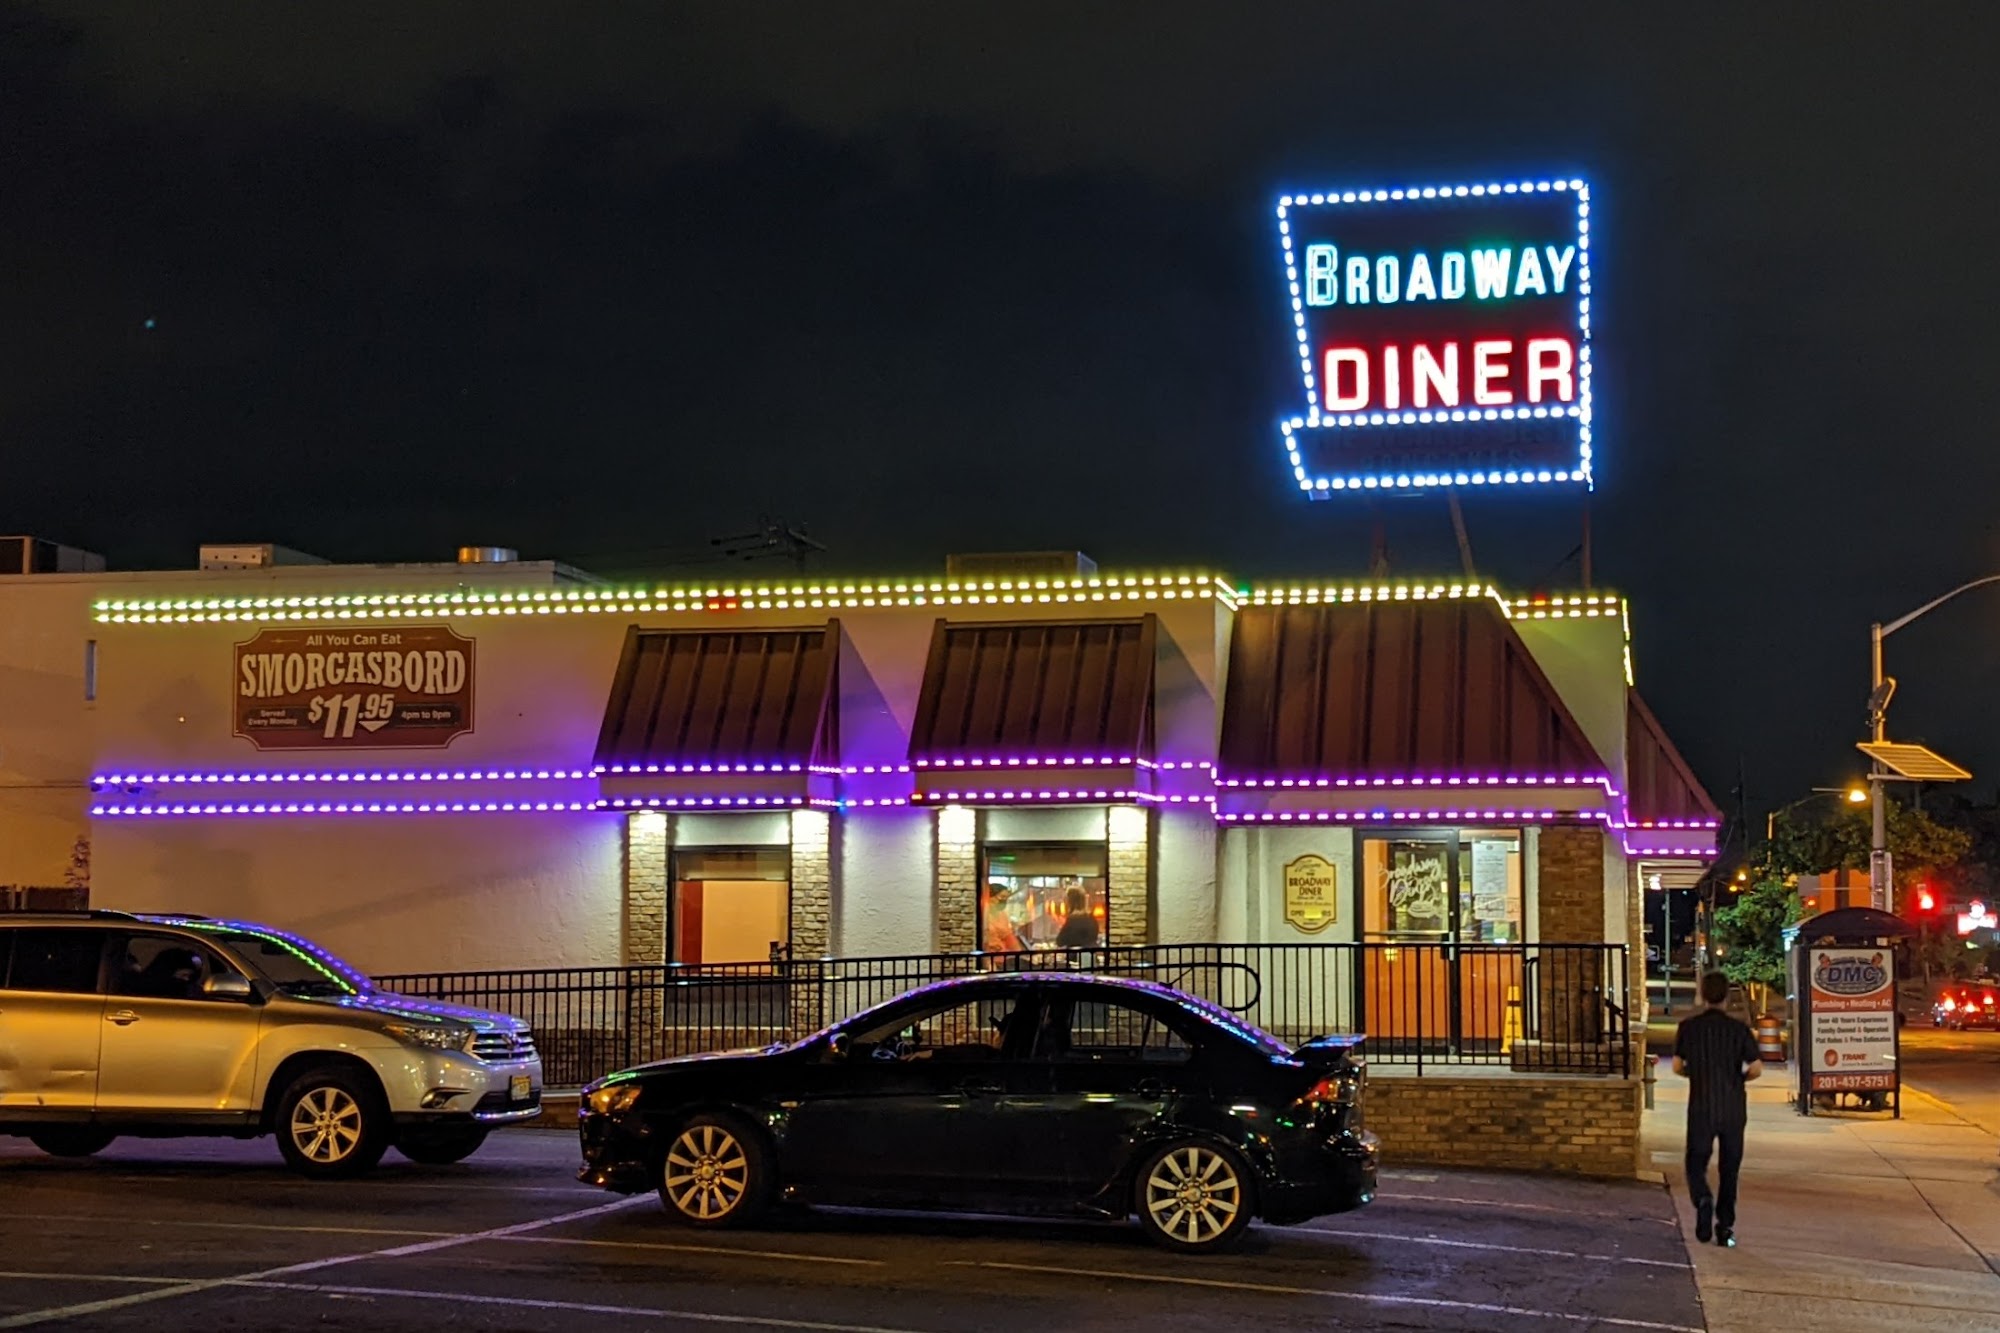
1531	1008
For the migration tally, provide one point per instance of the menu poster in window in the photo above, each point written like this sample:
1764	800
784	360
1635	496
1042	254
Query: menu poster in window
1418	884
1312	897
357	688
1490	897
1853	1029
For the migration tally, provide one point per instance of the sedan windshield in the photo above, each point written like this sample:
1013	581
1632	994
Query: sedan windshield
295	966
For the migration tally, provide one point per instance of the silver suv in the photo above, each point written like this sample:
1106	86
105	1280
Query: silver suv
162	1026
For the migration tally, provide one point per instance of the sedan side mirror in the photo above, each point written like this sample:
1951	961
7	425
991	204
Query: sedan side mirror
226	988
840	1044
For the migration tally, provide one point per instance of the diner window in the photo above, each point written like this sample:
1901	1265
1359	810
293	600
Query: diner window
730	905
1050	896
1462	886
1489	888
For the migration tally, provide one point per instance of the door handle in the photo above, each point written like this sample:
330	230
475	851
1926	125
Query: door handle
123	1018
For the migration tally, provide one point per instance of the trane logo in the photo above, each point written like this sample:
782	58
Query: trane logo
1850	974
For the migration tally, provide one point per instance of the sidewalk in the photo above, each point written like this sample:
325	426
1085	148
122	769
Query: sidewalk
1846	1222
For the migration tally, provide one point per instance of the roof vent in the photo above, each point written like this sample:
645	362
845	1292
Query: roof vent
487	555
1020	564
253	555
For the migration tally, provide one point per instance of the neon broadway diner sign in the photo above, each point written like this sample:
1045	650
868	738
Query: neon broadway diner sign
1442	335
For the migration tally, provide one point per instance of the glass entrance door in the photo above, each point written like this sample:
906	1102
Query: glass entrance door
1409	912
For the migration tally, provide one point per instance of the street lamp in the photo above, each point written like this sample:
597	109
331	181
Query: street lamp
1881	689
1854	793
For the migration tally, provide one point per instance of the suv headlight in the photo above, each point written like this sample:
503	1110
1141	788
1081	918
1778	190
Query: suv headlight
431	1036
613	1098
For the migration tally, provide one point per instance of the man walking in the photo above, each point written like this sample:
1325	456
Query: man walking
1717	1055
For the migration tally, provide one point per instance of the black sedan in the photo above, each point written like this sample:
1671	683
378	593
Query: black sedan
1023	1092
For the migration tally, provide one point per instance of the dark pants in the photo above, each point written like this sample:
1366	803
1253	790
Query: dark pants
1703	1133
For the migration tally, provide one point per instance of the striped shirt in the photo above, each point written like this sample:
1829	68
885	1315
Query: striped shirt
1715	1049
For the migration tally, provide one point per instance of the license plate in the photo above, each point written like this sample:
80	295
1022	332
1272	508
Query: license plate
520	1088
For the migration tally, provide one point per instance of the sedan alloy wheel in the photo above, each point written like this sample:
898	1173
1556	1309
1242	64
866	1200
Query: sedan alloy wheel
713	1173
1193	1196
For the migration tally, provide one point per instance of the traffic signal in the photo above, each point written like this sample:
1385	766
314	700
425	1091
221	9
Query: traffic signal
1926	900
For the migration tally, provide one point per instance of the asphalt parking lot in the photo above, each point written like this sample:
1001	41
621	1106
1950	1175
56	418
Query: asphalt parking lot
216	1235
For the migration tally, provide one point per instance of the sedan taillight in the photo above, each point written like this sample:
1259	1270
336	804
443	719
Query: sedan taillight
1946	1004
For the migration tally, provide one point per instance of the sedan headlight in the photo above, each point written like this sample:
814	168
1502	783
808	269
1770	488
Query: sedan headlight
613	1098
431	1036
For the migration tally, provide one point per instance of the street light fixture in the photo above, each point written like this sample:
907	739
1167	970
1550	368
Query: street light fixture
1881	689
1854	793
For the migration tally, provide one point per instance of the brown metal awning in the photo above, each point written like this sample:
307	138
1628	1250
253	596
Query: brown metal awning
1043	710
1660	788
721	717
1431	689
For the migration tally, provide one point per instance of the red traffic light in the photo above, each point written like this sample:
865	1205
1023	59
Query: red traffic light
1926	900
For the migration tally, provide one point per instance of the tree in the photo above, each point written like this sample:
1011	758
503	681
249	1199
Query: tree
1751	933
1919	845
76	874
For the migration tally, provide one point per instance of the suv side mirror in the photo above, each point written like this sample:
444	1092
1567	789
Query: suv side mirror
226	988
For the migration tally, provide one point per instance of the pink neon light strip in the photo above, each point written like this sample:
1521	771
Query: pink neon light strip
1061	761
1441	780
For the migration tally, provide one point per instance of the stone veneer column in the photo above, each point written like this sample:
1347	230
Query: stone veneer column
812	883
812	915
647	843
1570	874
1129	856
957	880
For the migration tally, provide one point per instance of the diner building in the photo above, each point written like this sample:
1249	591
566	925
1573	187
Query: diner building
564	773
500	765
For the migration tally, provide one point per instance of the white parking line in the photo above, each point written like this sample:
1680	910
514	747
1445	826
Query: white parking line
182	1223
579	1307
9	1275
1365	1297
29	1318
1399	1196
1486	1245
729	1250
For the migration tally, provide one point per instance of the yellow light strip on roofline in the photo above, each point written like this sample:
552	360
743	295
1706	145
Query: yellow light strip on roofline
636	601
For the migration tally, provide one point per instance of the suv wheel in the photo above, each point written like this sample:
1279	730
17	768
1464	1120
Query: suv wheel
441	1146
331	1124
1194	1197
72	1140
714	1174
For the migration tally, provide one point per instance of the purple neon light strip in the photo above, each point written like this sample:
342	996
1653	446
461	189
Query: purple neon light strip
704	802
363	775
346	808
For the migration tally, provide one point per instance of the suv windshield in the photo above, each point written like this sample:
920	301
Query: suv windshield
295	966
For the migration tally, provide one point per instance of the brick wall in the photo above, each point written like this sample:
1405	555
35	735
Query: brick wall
1128	852
646	846
957	880
1589	1126
1569	866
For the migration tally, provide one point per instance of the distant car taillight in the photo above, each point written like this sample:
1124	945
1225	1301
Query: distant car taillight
1946	1004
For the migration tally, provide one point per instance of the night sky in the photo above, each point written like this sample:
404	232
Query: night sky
604	282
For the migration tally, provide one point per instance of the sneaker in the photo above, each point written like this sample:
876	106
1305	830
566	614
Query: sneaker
1704	1222
1725	1237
